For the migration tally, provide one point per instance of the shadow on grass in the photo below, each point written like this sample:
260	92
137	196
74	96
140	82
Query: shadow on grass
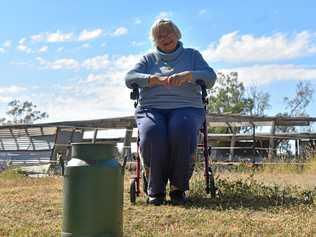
250	194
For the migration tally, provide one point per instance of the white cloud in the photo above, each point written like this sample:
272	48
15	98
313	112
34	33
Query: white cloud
5	99
7	44
20	63
8	93
86	35
264	74
86	46
115	65
38	37
43	49
99	95
233	47
137	21
125	62
91	107
120	31
164	14
113	76
12	89
22	41
94	77
202	12
57	36
24	48
96	63
63	63
116	68
138	44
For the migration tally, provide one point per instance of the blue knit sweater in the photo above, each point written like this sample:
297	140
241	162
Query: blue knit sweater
166	64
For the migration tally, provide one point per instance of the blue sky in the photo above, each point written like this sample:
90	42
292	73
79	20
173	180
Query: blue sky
70	57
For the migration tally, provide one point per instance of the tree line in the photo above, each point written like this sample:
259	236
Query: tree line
230	96
22	112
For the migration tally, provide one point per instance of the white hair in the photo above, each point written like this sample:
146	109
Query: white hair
163	22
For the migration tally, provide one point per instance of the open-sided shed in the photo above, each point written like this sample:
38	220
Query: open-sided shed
35	144
40	143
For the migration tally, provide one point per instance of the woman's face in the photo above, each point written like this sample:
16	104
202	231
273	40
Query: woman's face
167	39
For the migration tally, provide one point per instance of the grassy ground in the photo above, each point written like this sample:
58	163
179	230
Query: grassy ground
263	203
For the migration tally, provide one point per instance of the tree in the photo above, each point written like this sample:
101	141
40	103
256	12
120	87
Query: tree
297	105
23	113
260	101
228	95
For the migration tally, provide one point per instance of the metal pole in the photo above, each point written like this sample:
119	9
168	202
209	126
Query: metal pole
205	153
253	142
95	136
271	142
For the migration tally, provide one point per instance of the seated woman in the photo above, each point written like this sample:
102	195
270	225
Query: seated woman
170	111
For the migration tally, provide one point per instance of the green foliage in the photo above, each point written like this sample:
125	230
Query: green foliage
228	95
11	174
248	192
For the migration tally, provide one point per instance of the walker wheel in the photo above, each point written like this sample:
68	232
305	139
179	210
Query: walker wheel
132	191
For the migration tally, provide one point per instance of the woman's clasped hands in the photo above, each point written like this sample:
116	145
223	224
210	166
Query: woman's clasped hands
177	79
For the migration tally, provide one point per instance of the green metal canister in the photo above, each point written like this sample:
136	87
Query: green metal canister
93	192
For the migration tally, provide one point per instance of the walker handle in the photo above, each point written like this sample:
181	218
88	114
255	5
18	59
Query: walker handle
204	92
134	94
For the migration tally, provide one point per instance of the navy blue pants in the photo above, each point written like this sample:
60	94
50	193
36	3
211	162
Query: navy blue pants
168	139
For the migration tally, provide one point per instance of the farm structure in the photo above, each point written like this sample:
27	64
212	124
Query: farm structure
45	142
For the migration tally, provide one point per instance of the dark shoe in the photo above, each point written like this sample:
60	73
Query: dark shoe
157	199
178	198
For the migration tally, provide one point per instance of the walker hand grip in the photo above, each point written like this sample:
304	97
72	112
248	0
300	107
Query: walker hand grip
134	93
204	92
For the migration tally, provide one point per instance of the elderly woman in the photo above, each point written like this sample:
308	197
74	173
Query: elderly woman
170	111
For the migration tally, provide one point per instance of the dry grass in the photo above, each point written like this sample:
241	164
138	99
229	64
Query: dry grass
259	204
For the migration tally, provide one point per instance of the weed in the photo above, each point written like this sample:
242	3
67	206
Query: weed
11	174
248	192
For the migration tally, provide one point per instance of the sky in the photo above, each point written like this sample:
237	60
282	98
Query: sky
70	57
